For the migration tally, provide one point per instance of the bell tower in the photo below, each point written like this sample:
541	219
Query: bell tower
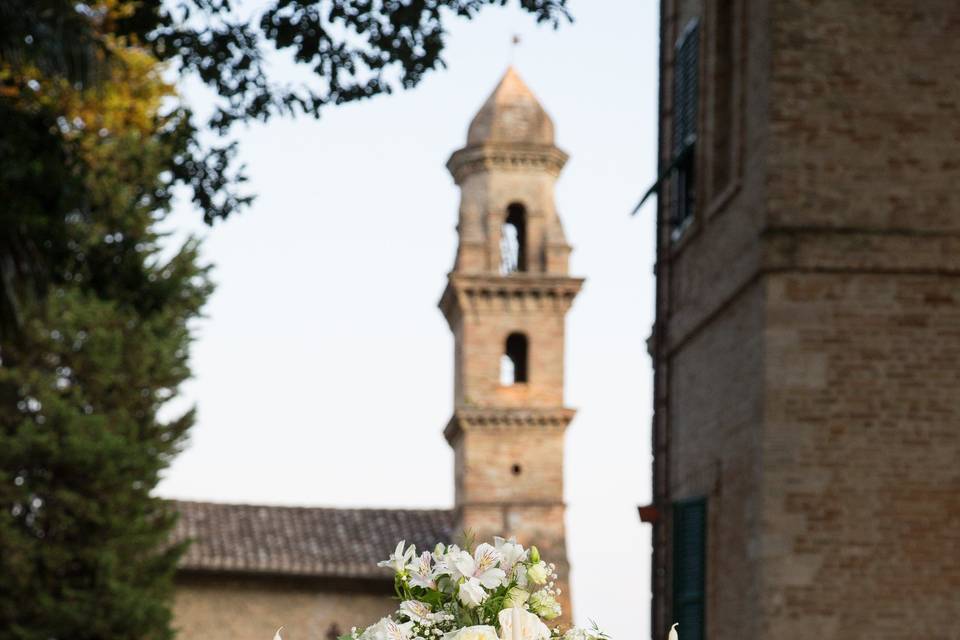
505	301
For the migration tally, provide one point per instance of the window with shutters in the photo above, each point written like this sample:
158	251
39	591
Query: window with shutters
686	98
680	172
689	566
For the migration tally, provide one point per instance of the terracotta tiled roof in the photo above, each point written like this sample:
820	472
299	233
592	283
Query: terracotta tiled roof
303	541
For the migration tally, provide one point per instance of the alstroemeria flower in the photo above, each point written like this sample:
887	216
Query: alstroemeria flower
517	624
472	593
482	565
400	558
421	574
417	611
388	629
510	552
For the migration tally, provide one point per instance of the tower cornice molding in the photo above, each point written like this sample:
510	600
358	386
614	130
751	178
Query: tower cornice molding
497	418
508	157
516	292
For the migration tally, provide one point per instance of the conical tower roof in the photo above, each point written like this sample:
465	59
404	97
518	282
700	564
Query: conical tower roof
511	115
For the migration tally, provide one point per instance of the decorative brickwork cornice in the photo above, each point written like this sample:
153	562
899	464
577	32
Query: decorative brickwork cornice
510	157
517	292
489	418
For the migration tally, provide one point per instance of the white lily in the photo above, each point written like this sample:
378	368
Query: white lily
472	593
482	565
400	558
673	635
517	624
421	573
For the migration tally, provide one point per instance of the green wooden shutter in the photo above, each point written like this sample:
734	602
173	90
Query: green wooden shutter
686	100
686	87
689	566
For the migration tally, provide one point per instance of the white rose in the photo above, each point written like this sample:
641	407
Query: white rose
544	605
471	593
515	597
476	632
537	573
517	624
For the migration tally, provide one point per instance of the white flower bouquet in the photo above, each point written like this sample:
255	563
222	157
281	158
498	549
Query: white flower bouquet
492	592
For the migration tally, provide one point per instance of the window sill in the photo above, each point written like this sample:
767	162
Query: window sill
719	203
681	236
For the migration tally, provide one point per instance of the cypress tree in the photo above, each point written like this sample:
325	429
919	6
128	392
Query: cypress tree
100	346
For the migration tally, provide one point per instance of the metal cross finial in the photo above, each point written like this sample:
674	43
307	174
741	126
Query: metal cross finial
514	43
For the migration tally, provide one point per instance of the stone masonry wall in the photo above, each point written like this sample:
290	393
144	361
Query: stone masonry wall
224	608
861	443
861	481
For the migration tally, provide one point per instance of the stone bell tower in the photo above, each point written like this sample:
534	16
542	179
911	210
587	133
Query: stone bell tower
505	301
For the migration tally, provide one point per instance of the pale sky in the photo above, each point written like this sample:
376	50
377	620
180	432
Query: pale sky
323	373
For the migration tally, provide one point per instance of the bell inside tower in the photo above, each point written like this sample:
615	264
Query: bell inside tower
513	240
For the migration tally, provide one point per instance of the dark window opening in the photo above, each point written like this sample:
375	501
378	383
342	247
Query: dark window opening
515	469
513	240
686	97
689	566
723	94
513	363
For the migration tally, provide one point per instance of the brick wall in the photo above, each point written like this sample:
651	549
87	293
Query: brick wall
861	481
808	356
224	608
